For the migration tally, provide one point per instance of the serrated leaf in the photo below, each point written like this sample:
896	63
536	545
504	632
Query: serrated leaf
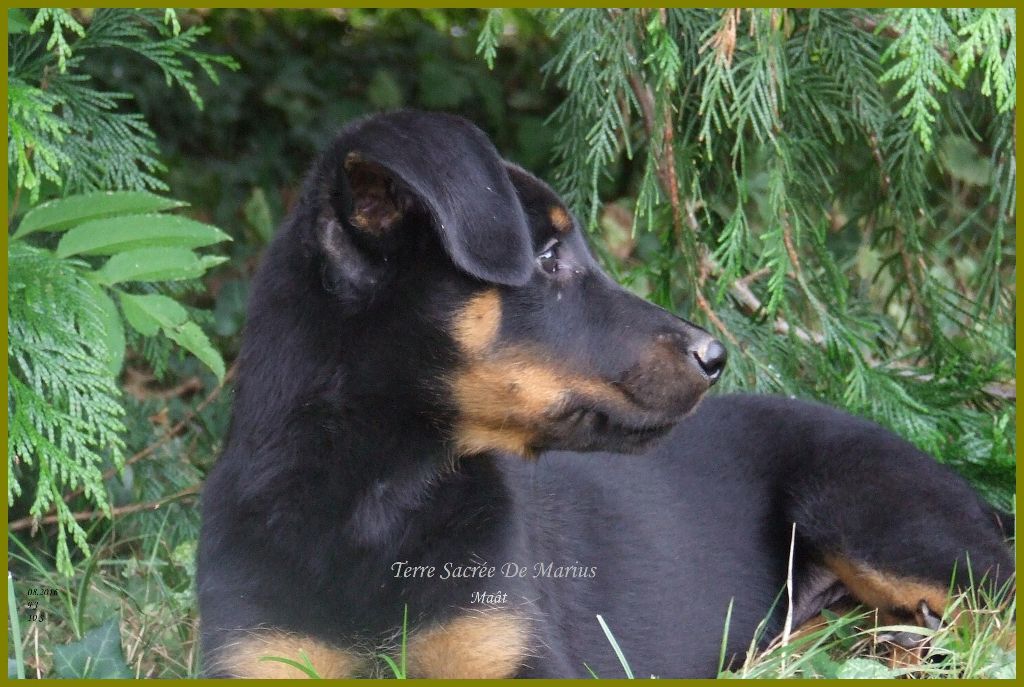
148	313
57	215
113	329
190	337
98	654
154	264
118	234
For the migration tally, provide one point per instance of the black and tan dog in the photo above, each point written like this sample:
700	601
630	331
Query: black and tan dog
428	317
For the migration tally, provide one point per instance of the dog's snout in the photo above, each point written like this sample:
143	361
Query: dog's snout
701	350
710	355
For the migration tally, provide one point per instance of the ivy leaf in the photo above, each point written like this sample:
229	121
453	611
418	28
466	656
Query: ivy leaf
98	654
120	234
860	668
57	215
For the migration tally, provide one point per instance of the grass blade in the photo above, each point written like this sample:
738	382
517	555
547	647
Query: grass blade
615	647
12	609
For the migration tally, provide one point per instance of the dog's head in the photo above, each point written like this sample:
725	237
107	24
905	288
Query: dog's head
471	282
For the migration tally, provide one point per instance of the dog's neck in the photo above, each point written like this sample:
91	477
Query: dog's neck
362	437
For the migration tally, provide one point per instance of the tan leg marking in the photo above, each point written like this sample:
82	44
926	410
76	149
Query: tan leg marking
560	219
488	645
244	659
887	592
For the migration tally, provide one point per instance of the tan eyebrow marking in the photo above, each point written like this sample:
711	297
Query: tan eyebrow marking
560	219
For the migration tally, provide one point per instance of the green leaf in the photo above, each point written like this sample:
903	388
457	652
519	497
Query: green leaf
190	337
57	215
97	655
229	310
119	234
1002	664
210	261
154	264
306	666
257	213
442	86
962	161
384	91
859	667
17	22
113	328
823	666
148	313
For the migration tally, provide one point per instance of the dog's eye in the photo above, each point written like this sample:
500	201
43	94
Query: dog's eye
548	258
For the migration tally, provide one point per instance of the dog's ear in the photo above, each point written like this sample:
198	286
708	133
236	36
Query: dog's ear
407	168
542	205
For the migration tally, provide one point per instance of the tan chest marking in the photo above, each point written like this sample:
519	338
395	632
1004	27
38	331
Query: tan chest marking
491	644
246	658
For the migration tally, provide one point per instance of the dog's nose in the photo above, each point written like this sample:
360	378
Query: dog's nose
700	350
710	355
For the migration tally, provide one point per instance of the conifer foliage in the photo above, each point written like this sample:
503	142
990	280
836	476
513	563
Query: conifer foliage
98	253
830	191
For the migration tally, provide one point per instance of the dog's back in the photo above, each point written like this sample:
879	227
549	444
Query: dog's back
429	317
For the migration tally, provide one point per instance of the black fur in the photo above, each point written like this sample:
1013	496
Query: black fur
342	454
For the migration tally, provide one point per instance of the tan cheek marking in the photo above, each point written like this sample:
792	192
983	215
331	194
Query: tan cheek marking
488	645
243	658
476	325
560	219
502	403
474	438
505	388
506	399
886	592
